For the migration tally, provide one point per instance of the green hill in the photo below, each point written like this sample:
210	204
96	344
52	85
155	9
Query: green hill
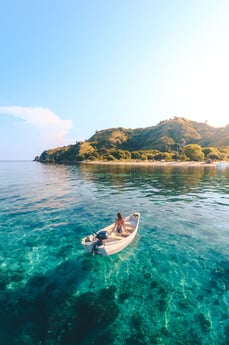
167	140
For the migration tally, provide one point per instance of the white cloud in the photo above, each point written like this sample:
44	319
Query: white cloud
51	127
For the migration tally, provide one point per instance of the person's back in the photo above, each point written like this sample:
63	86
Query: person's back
119	223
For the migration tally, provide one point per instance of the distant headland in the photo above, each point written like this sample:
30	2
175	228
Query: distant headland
175	140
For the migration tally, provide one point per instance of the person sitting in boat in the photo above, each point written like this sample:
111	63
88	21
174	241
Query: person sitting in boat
119	223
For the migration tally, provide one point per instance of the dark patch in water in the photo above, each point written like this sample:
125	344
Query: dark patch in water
64	251
147	275
162	305
141	339
162	291
154	284
4	280
106	338
93	314
204	323
220	274
36	313
227	332
136	321
123	296
136	339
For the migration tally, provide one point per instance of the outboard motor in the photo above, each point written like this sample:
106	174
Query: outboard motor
102	235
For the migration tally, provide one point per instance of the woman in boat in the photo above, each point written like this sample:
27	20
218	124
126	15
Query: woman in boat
119	223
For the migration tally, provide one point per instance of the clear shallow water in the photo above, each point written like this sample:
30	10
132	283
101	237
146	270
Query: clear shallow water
170	286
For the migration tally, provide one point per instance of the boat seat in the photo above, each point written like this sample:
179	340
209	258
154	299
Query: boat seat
116	236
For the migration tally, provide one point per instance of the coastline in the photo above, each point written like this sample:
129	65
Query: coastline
154	163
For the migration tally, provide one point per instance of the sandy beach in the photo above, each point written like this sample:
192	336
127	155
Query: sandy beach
155	163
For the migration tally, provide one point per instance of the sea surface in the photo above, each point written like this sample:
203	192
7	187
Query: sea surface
168	287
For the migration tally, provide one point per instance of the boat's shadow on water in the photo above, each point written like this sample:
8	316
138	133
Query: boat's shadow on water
48	309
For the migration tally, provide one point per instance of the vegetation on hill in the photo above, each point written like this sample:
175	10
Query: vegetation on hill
174	139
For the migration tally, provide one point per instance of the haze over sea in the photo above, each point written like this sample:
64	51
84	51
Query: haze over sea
169	287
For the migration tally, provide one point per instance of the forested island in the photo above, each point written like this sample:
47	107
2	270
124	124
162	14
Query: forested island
177	139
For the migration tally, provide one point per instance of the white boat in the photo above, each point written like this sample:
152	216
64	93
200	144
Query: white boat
107	241
222	164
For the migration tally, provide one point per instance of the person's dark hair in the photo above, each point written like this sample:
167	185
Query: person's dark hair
119	215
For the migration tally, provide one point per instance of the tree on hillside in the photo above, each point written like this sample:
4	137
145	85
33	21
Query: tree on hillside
164	143
193	152
121	154
211	153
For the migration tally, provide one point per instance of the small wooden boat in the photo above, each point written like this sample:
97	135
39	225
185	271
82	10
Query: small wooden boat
107	241
222	165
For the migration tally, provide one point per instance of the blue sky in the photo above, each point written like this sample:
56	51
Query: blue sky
69	68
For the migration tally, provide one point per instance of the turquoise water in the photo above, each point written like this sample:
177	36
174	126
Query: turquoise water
170	286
